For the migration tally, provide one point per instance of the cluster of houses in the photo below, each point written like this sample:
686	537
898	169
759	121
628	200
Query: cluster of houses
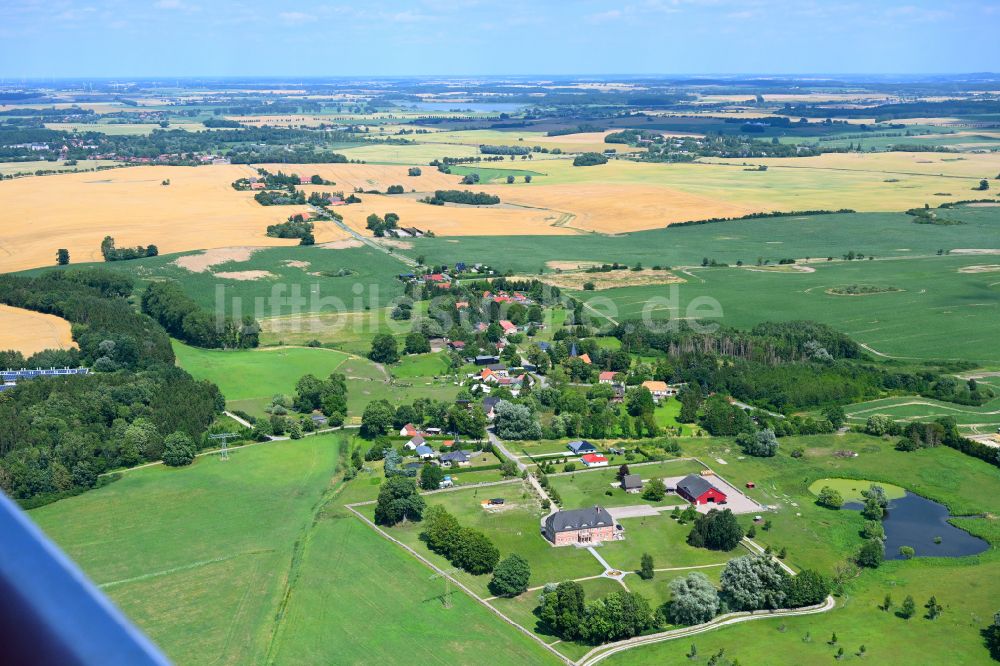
592	525
497	374
659	390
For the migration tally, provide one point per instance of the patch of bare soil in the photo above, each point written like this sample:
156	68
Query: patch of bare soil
294	263
611	279
245	275
571	265
199	263
977	250
980	268
400	244
341	244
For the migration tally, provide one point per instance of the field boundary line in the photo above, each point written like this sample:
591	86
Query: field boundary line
183	567
462	586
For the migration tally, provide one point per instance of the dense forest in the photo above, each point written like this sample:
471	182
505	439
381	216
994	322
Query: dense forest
57	434
184	319
787	366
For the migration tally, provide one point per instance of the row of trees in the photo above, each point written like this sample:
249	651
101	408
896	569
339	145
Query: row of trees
295	226
185	320
566	612
466	197
379	225
464	547
111	253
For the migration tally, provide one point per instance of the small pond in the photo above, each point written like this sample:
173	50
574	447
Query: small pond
915	521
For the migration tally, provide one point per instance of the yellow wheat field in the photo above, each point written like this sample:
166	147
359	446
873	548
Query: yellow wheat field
29	332
198	210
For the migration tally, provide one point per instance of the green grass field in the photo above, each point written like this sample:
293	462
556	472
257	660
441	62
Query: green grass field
982	419
198	557
590	487
939	312
878	234
293	289
250	378
850	489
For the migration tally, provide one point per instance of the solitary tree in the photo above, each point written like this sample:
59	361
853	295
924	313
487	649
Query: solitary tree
693	600
908	608
933	608
384	349
510	577
431	477
992	636
398	500
871	554
62	256
830	498
646	567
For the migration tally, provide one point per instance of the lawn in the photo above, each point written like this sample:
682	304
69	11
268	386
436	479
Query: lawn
663	538
361	599
198	556
850	489
587	488
421	366
514	530
249	378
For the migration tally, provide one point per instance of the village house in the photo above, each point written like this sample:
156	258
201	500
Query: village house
415	443
580	526
660	390
699	490
460	458
425	452
508	327
489	407
632	483
581	446
607	377
594	460
409	430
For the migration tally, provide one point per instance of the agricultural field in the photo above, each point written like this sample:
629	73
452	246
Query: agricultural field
28	332
938	312
11	168
983	419
133	206
771	239
284	286
200	557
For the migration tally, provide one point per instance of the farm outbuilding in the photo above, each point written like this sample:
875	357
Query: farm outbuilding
699	490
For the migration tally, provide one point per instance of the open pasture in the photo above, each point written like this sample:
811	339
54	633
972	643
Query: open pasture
249	378
939	313
199	209
10	168
817	236
982	419
28	332
199	557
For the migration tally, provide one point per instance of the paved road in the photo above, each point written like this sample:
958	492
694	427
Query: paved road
370	242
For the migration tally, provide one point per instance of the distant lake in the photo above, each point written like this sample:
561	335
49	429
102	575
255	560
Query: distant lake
915	521
480	107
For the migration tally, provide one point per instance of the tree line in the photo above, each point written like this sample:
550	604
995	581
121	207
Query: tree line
185	320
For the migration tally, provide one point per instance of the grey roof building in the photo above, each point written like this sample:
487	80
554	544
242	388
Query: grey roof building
575	520
632	483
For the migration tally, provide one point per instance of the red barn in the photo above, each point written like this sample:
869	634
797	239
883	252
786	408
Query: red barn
699	490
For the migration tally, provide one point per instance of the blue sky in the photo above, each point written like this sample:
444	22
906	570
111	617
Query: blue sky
119	38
